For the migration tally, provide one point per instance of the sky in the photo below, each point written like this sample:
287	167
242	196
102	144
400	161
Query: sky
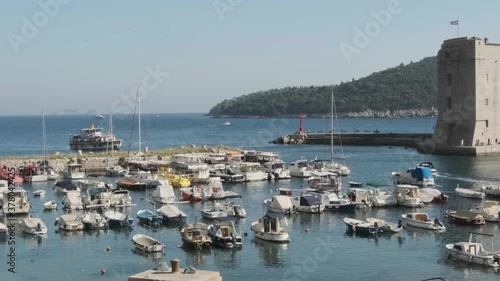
186	56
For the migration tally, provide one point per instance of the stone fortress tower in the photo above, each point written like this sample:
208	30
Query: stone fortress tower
468	97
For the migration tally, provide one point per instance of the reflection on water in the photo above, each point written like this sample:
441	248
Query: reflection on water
271	254
227	258
155	256
197	257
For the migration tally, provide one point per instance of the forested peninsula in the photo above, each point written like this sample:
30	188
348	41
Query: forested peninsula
403	91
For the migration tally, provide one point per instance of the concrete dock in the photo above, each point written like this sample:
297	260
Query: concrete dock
175	273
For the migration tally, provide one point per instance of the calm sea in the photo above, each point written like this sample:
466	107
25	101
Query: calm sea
326	252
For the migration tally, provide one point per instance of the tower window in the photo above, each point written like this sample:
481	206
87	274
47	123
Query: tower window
486	102
486	123
448	79
447	55
448	103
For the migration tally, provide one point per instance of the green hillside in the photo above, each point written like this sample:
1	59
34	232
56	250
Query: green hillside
403	90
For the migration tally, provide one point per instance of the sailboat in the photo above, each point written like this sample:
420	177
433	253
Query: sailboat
36	173
113	170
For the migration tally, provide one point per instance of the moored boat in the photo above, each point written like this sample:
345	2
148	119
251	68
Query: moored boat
117	219
50	205
421	176
33	226
65	186
149	218
171	213
429	165
362	227
468	193
462	216
490	210
39	193
73	171
387	226
94	139
408	195
70	222
195	235
422	220
492	190
224	233
473	252
271	227
147	244
93	221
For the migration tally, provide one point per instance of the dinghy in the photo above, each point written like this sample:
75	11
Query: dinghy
147	244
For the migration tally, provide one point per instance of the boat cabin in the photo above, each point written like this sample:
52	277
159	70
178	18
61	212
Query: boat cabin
418	216
272	222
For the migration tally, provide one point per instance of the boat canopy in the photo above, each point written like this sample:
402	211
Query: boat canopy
421	173
310	200
281	202
68	185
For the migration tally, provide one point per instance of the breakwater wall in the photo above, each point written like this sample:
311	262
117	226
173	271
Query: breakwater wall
375	139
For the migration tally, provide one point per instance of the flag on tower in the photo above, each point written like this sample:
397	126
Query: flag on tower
455	22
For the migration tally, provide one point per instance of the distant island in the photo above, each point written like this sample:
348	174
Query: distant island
402	91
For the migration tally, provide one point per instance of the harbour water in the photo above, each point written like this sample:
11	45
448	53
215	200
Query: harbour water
325	251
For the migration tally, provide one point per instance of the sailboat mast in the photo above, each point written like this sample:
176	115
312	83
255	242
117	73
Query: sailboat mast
139	120
111	131
331	128
44	143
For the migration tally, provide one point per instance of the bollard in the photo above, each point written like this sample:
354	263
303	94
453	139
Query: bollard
174	264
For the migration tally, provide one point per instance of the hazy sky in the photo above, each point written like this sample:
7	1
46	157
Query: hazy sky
189	55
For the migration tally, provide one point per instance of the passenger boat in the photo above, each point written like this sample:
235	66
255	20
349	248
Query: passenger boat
171	213
18	198
93	221
271	227
408	195
70	222
33	226
50	205
493	190
468	193
149	218
117	219
179	181
94	139
473	252
416	176
462	216
362	227
147	244
65	186
73	171
224	233
195	235
422	220
490	210
386	226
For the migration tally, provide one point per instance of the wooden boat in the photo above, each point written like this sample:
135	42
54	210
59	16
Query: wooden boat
224	232
386	226
467	193
147	244
50	205
118	219
195	235
130	184
362	227
271	227
422	220
473	252
171	213
70	222
462	216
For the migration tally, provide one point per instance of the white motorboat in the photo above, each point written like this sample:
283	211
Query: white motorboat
18	198
335	204
171	213
116	171
271	227
280	204
65	186
94	221
252	172
74	171
224	232
473	252
120	198
33	226
492	190
232	210
70	222
416	176
382	197
73	201
308	203
86	184
432	195
39	193
407	195
50	205
362	227
386	226
163	193
118	219
325	182
427	165
147	244
277	169
490	210
211	211
422	220
300	169
360	196
97	197
468	193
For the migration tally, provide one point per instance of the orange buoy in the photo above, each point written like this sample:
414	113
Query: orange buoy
103	271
